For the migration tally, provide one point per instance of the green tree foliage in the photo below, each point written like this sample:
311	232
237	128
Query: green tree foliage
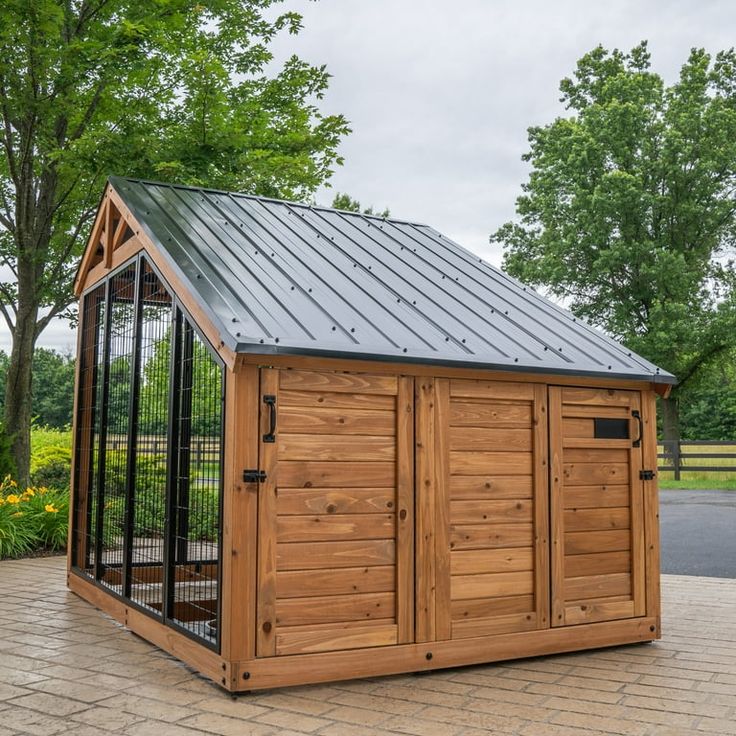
347	203
183	90
53	387
629	215
708	408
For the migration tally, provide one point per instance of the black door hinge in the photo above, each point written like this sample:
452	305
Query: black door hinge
646	475
254	476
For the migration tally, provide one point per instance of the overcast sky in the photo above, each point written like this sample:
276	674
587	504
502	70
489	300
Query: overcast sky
440	94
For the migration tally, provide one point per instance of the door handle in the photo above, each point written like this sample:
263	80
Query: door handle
270	401
637	415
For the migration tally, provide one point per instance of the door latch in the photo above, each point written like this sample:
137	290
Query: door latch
646	475
254	476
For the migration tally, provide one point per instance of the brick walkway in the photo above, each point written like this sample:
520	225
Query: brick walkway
68	669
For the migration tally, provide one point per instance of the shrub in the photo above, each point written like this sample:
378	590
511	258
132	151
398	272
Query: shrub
51	467
31	520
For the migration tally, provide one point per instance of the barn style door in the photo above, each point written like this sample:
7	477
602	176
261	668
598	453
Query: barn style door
596	505
336	529
482	511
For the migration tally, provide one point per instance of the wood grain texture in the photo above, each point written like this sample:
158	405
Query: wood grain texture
405	556
463	610
470	562
494	415
651	506
326	420
333	527
334	608
334	382
424	410
240	514
267	528
316	555
504	463
351	635
490	486
335	581
335	501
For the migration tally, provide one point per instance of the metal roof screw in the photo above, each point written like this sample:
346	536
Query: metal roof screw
237	334
609	367
261	340
414	302
275	339
235	319
352	329
333	328
272	255
447	339
405	350
516	360
309	290
560	349
199	275
292	288
493	311
545	348
506	311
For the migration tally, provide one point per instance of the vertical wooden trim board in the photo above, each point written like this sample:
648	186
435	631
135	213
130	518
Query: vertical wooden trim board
267	531
240	510
405	510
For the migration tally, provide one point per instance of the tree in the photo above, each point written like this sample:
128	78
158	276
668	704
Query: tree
347	203
175	90
53	387
629	215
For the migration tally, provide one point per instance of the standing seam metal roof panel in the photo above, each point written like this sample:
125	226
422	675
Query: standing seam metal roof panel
281	277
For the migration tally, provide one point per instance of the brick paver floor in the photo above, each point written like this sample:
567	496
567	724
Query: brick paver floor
66	668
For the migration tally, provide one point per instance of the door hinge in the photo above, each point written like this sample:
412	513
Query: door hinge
254	476
646	475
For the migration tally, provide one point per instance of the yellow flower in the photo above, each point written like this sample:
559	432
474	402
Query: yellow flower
51	508
13	484
12	498
29	492
42	491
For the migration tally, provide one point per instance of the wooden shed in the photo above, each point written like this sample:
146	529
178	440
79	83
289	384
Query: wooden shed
314	445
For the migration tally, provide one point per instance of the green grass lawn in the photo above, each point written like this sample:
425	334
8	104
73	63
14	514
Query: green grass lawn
692	479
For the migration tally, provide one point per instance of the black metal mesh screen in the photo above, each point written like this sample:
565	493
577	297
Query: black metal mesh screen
88	428
148	475
116	420
198	482
148	513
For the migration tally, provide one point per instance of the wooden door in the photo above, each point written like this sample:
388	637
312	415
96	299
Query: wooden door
482	511
336	521
596	505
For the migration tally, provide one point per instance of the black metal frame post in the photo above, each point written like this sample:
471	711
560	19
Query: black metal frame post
103	435
135	380
172	476
184	442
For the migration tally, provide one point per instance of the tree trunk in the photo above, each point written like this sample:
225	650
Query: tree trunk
671	431
18	392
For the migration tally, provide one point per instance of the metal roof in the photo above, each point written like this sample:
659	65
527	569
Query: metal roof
287	278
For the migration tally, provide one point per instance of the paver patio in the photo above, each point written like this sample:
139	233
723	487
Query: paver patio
67	668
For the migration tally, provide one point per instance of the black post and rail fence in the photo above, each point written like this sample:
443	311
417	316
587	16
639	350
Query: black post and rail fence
697	456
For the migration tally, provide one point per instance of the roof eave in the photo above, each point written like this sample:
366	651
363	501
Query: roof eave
266	349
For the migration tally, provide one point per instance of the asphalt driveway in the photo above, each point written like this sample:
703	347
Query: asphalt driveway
698	533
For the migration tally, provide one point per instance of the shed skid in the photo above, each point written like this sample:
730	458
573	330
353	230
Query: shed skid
280	518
